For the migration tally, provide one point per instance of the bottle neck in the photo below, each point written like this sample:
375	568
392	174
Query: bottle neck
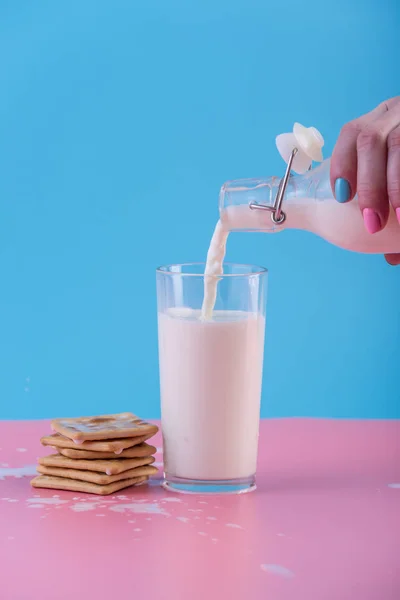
301	195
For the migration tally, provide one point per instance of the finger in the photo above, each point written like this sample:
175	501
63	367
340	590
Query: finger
393	170
344	162
344	157
372	156
393	259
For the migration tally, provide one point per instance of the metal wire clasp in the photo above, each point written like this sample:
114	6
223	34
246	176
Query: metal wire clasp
278	216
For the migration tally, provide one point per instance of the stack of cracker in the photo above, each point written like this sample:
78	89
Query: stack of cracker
97	455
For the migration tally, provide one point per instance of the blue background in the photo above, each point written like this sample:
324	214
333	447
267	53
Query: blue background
119	121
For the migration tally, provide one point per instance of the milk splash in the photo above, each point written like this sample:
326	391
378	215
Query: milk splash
17	471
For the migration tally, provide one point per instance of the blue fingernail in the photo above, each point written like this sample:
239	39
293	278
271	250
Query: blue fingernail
342	190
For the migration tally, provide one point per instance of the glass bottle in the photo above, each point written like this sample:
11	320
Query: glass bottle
309	205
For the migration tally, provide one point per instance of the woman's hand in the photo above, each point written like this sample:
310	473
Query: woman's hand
366	162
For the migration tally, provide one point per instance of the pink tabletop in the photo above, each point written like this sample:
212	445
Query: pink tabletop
324	524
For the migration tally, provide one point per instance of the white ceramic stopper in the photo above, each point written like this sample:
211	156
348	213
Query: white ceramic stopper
309	143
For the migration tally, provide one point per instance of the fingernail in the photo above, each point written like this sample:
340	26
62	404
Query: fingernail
372	221
342	190
393	259
398	214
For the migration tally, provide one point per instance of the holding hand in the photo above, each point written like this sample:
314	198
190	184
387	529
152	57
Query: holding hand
366	162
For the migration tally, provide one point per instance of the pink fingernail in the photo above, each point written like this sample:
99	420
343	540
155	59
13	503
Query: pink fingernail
372	221
398	214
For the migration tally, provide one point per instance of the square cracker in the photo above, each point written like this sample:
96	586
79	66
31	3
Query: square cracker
98	478
110	467
103	427
134	452
59	441
61	483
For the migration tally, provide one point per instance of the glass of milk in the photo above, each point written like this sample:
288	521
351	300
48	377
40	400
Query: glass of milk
210	377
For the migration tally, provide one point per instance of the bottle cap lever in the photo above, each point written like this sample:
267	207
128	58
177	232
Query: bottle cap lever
298	150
